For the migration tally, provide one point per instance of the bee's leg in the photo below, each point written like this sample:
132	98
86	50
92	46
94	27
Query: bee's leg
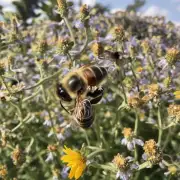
96	95
64	108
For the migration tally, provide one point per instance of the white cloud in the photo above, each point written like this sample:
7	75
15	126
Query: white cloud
155	11
88	2
5	2
116	10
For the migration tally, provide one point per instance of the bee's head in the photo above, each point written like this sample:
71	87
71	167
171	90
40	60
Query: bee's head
62	93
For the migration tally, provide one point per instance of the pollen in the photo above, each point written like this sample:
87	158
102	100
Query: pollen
127	132
120	162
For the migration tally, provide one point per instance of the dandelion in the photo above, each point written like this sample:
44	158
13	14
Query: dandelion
129	140
152	153
76	161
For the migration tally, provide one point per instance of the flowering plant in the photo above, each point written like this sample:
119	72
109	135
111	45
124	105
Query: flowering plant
139	110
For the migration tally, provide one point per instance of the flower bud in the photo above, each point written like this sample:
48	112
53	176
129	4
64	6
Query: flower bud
172	55
119	33
62	7
97	49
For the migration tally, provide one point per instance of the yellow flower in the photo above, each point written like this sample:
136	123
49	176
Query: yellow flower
177	94
127	132
75	161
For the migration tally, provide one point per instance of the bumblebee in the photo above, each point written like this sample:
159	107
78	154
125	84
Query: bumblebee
80	81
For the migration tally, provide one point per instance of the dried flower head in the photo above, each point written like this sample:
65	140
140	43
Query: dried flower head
174	111
62	7
76	161
17	156
172	55
145	46
97	49
121	162
64	45
119	33
52	148
129	139
3	171
42	46
127	132
152	152
135	101
84	13
2	67
152	92
3	139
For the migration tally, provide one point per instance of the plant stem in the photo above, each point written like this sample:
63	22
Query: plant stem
44	80
95	153
144	165
4	83
160	126
86	136
70	29
135	133
86	41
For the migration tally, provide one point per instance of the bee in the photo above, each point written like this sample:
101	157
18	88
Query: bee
80	81
79	85
84	114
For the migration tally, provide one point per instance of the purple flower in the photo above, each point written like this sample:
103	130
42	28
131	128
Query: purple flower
131	142
64	172
79	24
50	157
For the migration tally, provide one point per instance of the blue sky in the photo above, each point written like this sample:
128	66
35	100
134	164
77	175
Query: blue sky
169	8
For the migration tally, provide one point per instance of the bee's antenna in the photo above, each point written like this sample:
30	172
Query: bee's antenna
64	108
